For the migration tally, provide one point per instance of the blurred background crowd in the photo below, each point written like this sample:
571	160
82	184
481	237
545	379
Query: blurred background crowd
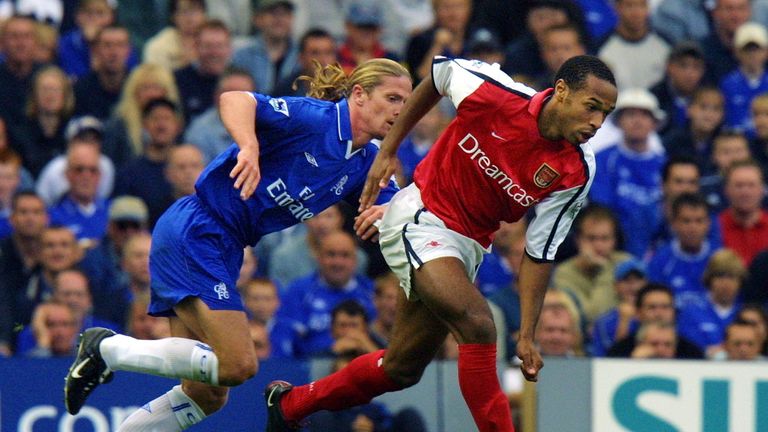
108	114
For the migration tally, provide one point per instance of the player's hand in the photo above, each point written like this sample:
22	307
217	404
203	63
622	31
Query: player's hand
378	178
246	172
531	359
367	222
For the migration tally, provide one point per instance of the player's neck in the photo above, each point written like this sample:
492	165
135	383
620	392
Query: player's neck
547	121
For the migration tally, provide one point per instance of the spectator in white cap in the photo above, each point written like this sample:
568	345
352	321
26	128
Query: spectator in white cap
128	217
749	79
52	183
630	172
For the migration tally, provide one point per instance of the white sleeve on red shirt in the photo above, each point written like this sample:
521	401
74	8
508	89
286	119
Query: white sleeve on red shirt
459	78
555	214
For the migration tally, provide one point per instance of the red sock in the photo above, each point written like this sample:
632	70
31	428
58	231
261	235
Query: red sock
480	387
359	382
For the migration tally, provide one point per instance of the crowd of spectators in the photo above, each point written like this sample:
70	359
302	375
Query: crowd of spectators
109	114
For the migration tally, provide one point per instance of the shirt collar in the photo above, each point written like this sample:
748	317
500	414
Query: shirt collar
538	100
345	127
343	121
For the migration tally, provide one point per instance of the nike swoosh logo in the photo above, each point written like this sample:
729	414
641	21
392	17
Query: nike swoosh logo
493	134
76	371
269	399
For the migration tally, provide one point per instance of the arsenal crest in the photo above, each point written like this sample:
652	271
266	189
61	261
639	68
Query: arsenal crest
545	175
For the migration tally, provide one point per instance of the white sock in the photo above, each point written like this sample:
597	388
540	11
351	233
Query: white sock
170	357
172	412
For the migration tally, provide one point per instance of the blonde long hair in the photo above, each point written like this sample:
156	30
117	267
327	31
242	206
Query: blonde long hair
331	83
128	107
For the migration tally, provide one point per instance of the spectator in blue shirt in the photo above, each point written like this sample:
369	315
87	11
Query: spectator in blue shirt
74	46
704	322
680	175
55	331
71	288
616	324
629	182
81	209
680	263
750	79
262	302
297	256
310	300
654	305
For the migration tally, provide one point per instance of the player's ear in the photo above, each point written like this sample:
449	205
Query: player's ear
561	90
358	94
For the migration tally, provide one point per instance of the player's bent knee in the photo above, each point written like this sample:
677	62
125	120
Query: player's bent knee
238	372
209	399
477	328
404	375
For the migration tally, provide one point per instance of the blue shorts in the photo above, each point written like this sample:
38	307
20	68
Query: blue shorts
192	255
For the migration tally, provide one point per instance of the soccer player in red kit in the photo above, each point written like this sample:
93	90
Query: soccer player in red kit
509	150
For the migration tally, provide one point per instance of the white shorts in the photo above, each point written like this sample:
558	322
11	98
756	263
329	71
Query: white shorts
410	236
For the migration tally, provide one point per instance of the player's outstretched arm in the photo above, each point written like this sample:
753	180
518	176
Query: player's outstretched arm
532	285
423	98
238	113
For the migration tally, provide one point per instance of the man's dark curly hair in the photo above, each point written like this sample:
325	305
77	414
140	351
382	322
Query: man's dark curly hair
576	69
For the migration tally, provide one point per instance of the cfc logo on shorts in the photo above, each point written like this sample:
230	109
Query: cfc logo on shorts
221	290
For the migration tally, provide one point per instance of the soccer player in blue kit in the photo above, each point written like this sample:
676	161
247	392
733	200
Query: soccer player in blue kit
298	157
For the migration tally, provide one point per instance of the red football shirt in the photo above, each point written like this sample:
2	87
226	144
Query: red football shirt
491	164
746	242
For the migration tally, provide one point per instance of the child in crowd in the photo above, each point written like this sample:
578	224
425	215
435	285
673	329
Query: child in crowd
749	79
705	114
704	322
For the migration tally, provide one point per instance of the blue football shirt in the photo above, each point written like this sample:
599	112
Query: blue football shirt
306	161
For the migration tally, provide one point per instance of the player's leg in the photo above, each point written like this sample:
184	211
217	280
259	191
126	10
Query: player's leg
225	361
182	406
445	288
194	264
416	337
